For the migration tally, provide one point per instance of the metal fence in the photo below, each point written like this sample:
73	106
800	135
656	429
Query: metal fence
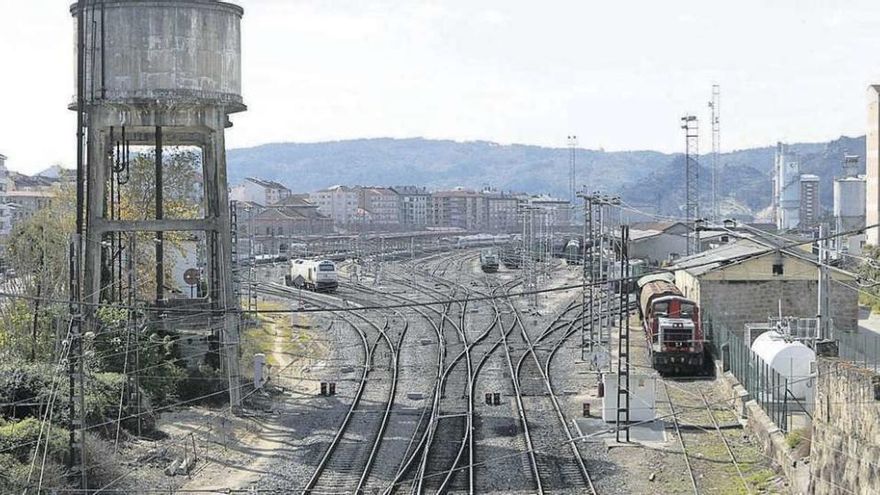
862	348
765	385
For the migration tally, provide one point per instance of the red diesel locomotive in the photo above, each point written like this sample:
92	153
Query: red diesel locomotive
672	327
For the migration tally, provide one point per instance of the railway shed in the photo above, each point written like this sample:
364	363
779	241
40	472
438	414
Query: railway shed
745	280
658	242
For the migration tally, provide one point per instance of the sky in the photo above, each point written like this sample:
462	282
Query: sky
619	75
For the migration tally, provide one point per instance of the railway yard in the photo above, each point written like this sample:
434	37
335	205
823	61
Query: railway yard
476	392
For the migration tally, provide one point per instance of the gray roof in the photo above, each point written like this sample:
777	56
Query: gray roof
720	256
271	184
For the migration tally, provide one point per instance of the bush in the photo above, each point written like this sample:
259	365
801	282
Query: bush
205	386
18	439
27	386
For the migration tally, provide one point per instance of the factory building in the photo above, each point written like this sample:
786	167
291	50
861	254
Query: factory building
809	207
849	203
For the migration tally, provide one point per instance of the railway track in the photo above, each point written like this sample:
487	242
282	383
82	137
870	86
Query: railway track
559	461
695	423
437	448
346	463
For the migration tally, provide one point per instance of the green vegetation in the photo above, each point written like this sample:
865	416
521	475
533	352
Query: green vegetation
870	270
34	337
273	334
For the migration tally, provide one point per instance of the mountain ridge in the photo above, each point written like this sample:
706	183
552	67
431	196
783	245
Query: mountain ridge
639	176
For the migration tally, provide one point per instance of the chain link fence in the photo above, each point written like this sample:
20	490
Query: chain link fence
774	392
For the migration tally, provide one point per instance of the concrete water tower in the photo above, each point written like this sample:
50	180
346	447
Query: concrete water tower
152	75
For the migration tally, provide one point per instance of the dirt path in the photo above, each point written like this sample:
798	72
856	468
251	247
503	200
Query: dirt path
264	434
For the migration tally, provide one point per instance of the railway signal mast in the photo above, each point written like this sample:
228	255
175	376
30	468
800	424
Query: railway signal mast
715	108
691	128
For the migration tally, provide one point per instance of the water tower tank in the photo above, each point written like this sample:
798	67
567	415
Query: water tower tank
792	360
163	52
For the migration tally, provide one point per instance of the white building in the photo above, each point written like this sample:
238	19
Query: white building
340	203
264	192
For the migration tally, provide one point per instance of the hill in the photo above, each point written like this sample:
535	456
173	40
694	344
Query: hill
641	177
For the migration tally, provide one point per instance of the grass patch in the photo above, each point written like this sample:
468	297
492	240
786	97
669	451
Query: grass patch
270	333
761	479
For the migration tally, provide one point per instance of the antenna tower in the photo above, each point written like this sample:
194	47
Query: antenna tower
715	107
690	125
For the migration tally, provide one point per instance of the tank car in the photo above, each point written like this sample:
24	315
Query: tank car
672	327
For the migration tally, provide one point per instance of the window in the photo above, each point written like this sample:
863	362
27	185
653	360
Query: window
778	268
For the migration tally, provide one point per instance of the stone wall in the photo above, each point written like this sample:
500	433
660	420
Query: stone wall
734	303
845	450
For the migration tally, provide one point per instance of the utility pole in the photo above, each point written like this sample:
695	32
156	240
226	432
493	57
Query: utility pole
588	278
690	125
602	201
623	381
824	302
715	108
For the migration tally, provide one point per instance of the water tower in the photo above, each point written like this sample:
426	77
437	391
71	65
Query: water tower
152	75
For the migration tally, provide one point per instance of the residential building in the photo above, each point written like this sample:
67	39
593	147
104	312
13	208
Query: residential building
809	207
502	212
413	205
382	205
459	207
340	203
264	192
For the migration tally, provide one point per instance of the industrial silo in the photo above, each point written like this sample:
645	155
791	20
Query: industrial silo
849	203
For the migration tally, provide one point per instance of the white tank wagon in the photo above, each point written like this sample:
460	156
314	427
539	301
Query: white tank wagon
793	360
319	276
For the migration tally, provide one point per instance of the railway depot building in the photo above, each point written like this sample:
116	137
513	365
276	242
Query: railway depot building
746	281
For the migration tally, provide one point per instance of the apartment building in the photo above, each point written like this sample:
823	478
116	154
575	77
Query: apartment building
340	203
261	191
413	205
